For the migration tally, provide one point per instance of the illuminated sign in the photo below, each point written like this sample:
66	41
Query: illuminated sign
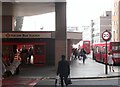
26	35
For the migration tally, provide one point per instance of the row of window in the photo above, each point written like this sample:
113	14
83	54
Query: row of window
99	49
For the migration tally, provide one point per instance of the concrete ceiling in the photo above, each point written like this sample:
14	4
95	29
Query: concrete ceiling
33	0
32	7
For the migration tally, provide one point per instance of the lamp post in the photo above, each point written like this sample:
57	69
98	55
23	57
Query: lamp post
92	40
92	29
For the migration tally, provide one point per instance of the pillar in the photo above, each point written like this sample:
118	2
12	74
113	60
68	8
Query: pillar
60	33
7	16
0	45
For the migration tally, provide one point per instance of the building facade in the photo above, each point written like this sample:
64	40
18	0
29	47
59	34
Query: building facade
101	24
116	21
86	33
105	23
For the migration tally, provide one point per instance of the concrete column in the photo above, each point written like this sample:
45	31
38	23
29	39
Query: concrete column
0	45
60	33
7	16
0	16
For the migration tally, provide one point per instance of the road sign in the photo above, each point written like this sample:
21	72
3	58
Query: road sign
106	35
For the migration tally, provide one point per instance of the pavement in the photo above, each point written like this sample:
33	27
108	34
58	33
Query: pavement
31	75
91	69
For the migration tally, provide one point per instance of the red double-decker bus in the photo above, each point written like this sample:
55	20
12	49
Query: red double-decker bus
100	51
86	45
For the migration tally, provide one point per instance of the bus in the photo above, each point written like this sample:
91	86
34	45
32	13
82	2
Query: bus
99	52
85	45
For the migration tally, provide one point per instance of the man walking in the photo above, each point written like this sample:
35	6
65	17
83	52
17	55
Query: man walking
63	70
83	54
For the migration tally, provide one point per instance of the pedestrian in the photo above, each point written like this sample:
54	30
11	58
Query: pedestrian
17	62
83	54
30	53
24	55
63	70
79	55
76	53
110	61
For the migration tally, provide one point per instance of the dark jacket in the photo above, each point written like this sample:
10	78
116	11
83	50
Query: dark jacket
63	68
82	52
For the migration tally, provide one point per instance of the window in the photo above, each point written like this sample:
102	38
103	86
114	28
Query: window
116	48
86	42
97	49
103	50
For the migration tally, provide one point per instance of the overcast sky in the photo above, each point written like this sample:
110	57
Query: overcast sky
82	11
79	13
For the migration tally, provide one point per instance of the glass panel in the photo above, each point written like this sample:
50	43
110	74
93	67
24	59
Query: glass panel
116	48
103	49
86	42
98	49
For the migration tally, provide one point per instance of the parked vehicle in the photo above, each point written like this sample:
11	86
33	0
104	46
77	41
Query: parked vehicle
100	51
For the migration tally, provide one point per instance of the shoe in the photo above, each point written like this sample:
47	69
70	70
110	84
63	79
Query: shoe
113	70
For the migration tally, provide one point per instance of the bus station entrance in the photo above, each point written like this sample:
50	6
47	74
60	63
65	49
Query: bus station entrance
41	43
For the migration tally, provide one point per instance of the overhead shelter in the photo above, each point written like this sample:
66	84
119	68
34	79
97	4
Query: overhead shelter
34	7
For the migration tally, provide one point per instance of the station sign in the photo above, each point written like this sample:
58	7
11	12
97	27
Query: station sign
26	35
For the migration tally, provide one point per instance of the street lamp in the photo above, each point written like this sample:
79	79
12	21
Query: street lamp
92	40
92	29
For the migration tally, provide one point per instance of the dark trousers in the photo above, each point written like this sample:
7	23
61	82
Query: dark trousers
65	80
29	59
84	58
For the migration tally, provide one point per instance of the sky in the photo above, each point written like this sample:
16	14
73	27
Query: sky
82	11
79	13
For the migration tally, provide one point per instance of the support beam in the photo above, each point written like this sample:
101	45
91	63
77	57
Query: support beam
60	33
7	16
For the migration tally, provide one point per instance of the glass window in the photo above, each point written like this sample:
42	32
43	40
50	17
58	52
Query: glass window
103	50
95	49
86	42
116	48
98	49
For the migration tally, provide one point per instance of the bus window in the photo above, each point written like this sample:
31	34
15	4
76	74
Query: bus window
115	48
97	49
85	42
103	50
94	49
112	48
